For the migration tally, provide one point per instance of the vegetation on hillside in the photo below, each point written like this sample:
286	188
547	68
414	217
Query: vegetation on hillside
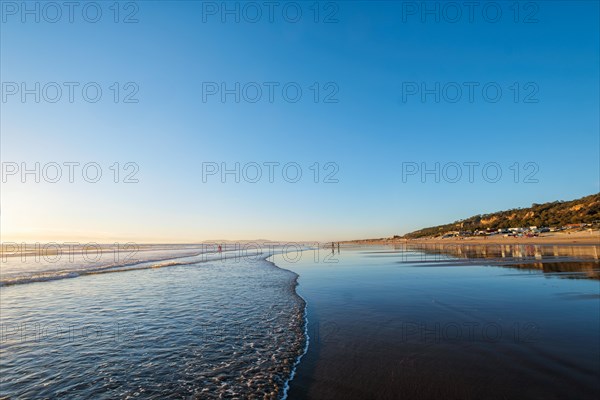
557	213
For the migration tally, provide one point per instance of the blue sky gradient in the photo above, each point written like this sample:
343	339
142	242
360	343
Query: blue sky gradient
369	54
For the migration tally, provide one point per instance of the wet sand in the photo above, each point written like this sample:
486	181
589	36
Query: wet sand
391	322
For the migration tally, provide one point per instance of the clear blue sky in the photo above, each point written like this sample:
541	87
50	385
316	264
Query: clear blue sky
369	54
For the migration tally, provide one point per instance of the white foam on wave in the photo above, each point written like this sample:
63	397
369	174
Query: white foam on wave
286	386
45	276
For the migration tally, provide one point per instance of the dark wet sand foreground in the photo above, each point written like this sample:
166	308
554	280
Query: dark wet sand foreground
390	323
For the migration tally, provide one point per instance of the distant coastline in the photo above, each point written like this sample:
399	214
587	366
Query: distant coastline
552	238
559	222
558	216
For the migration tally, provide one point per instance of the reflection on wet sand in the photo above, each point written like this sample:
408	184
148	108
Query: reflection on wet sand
388	323
562	261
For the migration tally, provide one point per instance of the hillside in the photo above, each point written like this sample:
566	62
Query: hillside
557	213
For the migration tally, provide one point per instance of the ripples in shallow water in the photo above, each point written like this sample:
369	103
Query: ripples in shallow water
210	330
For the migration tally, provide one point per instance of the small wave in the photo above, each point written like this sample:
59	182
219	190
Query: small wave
232	330
286	386
40	278
47	276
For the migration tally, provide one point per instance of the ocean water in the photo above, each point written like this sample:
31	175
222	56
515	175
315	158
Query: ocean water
226	328
51	261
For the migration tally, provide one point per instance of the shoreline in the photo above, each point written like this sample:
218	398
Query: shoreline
551	239
286	386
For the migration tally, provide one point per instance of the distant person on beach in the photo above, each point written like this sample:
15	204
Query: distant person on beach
220	248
